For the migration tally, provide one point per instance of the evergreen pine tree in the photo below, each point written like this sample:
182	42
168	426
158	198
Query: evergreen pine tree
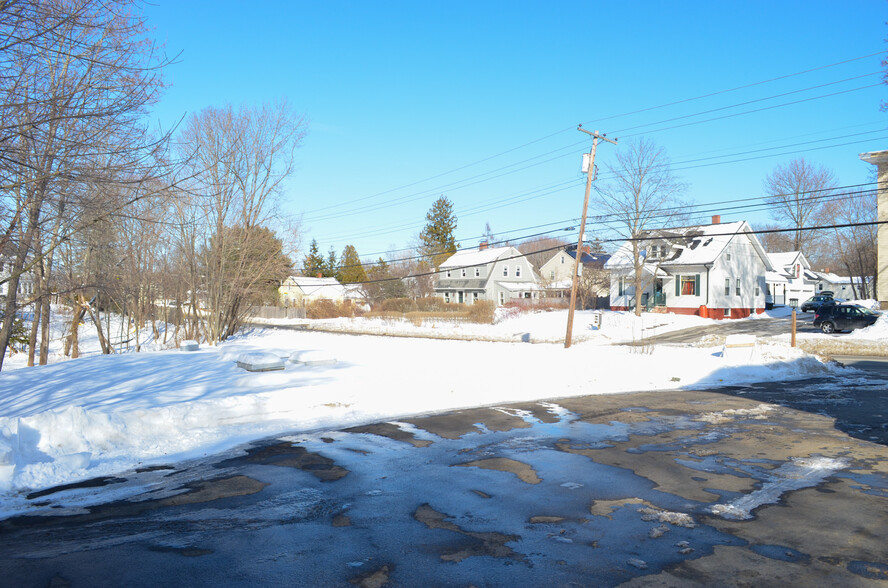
351	270
314	263
331	265
436	239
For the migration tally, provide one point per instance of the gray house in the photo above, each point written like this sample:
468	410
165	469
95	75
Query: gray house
500	274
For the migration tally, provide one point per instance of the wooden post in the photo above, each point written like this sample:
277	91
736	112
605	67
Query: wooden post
792	342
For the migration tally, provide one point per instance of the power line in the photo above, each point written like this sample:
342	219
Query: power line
558	132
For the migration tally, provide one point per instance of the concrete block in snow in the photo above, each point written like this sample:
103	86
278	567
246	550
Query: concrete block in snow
259	361
312	357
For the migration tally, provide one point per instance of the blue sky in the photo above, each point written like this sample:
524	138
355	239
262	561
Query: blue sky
480	100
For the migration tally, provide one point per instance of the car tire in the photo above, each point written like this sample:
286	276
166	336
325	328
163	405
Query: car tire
828	327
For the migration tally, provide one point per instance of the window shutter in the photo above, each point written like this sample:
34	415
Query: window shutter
678	285
696	284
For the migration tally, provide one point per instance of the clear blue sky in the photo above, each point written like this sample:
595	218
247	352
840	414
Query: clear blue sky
479	100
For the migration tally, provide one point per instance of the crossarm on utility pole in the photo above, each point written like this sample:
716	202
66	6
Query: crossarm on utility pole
579	252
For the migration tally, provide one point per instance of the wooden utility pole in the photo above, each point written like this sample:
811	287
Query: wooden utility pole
590	173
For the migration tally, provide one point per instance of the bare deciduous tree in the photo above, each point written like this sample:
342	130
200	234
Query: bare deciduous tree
238	159
799	194
643	194
75	79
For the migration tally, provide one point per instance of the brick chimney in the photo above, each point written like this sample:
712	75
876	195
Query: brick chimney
482	245
320	275
716	219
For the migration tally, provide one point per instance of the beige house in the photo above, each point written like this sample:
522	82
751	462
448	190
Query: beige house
556	275
300	290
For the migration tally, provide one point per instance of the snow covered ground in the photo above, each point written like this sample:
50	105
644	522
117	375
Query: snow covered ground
100	415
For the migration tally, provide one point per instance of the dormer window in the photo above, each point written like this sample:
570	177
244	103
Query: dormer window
655	251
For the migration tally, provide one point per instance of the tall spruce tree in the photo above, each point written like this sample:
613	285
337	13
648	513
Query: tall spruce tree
331	266
436	238
351	270
314	262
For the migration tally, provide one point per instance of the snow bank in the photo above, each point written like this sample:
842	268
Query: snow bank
102	415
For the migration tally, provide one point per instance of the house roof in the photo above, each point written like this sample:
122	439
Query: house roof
316	286
693	245
588	258
788	258
471	257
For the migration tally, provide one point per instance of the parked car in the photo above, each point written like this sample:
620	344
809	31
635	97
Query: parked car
815	302
835	318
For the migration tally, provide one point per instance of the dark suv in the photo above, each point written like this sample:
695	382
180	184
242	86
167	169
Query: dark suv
815	302
834	318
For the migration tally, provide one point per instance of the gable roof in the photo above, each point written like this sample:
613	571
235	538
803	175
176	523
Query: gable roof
472	257
692	245
788	258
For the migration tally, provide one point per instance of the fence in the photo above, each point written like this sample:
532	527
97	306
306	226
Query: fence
277	312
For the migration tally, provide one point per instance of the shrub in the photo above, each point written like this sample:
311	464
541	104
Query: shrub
401	305
482	312
321	309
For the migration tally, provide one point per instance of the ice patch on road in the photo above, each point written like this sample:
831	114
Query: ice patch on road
795	475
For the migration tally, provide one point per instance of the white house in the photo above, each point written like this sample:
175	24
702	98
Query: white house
791	282
715	270
501	274
843	287
299	290
26	280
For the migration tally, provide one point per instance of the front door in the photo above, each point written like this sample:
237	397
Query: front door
460	297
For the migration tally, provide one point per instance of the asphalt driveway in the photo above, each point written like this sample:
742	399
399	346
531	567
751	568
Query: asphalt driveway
682	488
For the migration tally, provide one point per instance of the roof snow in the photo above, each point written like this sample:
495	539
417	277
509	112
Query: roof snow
694	245
472	257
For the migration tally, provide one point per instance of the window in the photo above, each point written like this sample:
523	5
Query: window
502	298
727	286
727	312
737	287
477	272
552	275
621	286
562	259
517	271
757	291
505	271
687	285
727	256
655	251
475	296
447	297
463	270
448	273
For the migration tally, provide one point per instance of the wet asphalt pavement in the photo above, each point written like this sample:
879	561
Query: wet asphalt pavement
682	488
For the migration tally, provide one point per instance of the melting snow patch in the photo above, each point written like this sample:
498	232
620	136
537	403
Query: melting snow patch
571	485
760	412
678	519
795	475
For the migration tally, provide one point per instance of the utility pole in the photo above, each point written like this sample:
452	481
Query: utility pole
590	173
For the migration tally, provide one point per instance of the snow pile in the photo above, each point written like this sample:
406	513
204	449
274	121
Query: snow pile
878	331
